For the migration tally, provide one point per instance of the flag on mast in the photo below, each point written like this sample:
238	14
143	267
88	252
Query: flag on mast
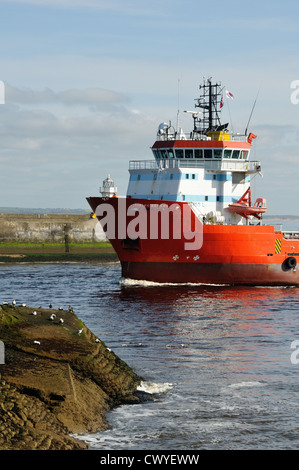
229	94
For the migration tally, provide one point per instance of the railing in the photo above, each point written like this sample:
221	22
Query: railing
290	234
214	165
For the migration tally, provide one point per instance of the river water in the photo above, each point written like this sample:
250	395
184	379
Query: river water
216	358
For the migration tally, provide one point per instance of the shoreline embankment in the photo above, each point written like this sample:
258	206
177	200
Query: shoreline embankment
57	379
53	237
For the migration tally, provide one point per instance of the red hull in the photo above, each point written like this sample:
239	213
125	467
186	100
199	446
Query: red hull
230	254
258	274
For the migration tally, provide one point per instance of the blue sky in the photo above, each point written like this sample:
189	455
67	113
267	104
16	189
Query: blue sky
87	82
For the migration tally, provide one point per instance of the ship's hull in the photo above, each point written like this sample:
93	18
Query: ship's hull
258	274
227	254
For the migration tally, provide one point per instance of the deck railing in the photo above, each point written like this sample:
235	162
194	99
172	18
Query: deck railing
214	165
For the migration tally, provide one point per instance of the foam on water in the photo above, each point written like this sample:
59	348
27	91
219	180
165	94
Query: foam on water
154	388
142	283
247	384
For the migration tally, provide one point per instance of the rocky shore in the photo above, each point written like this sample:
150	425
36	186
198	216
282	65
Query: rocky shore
58	379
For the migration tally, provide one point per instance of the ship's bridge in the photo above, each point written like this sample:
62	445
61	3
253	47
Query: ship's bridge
203	153
209	169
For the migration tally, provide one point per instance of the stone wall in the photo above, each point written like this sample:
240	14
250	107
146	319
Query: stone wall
49	228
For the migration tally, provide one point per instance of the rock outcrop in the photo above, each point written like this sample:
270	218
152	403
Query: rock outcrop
58	379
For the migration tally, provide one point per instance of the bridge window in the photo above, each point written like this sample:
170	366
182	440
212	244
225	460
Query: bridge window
227	153
208	153
179	153
170	153
198	153
189	153
217	153
244	154
236	154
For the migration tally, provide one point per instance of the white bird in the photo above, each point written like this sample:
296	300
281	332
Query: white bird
34	313
60	308
61	320
108	349
23	305
79	331
36	342
97	340
5	303
14	302
52	317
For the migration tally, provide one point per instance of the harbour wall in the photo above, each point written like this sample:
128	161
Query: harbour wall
47	228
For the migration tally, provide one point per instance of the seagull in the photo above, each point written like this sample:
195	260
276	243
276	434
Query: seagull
34	313
108	349
14	302
36	342
97	340
71	309
61	320
60	308
79	331
52	317
23	305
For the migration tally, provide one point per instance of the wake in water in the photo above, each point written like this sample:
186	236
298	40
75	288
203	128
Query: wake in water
139	283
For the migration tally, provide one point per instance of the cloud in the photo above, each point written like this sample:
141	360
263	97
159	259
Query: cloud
132	8
96	97
62	144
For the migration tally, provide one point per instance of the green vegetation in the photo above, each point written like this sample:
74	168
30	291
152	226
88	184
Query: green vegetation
97	245
13	252
58	257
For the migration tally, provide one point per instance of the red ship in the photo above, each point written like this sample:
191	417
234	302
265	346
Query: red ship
188	215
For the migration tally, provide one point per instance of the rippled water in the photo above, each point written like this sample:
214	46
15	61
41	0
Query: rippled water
217	356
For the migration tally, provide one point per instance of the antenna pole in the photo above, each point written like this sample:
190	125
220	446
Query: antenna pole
210	105
251	112
178	113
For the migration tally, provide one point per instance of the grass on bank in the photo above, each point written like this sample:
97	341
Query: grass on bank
96	245
41	252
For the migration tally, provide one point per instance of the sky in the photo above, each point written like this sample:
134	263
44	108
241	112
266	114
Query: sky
87	83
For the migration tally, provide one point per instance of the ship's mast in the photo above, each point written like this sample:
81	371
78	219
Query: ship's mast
209	102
